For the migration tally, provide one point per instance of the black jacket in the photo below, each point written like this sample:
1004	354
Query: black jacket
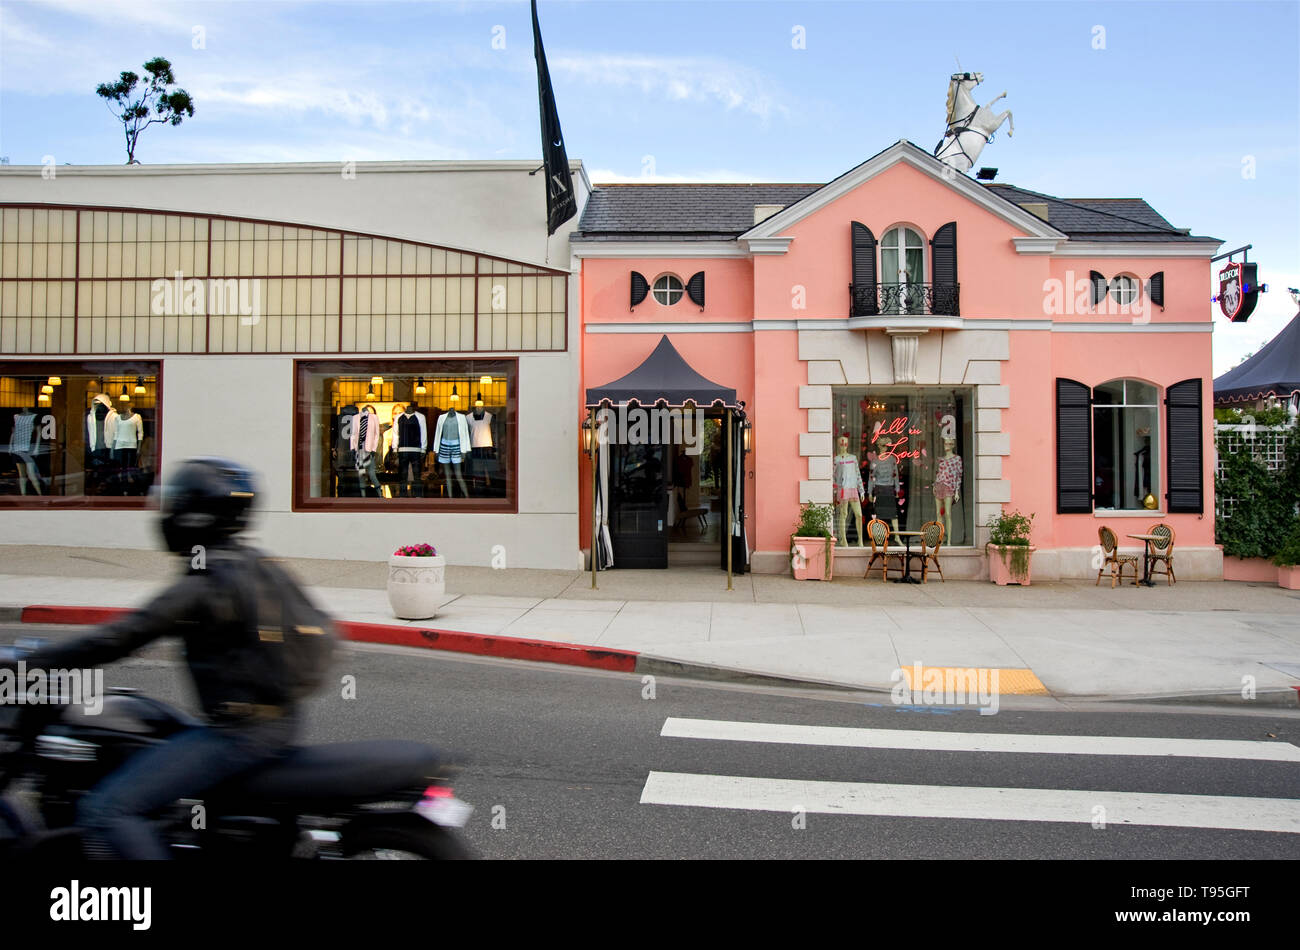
214	612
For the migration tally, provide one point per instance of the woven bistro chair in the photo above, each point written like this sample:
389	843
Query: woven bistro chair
878	534
931	538
1116	560
1162	552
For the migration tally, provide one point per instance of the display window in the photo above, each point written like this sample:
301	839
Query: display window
1126	445
79	433
903	455
424	434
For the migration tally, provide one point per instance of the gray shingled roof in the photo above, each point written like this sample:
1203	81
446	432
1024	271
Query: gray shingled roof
721	212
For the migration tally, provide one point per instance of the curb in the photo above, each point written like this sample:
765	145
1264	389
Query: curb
507	648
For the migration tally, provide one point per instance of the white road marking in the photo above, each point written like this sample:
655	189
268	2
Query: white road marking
989	804
977	741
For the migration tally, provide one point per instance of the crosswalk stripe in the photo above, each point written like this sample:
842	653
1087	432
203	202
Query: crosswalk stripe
977	741
954	801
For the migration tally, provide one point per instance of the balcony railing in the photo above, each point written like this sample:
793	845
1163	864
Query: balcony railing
906	299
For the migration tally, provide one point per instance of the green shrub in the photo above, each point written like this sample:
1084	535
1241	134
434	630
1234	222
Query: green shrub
814	521
1288	554
1010	529
1264	513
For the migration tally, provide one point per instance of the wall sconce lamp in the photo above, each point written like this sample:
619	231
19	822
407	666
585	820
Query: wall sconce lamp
587	432
747	435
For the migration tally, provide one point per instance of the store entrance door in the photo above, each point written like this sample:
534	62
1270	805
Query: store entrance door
638	510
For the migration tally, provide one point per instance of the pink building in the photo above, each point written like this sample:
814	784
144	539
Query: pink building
946	347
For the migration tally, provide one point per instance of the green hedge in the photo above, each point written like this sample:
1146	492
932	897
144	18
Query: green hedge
1264	517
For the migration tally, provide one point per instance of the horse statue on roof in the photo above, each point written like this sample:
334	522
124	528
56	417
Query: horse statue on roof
970	126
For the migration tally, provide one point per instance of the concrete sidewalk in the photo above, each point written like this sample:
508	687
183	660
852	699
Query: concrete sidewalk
1081	641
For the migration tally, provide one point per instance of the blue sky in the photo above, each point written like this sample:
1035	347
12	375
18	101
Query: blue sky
1165	101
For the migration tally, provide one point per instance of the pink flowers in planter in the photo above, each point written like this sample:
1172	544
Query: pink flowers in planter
416	550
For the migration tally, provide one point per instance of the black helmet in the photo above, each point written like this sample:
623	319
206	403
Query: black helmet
206	501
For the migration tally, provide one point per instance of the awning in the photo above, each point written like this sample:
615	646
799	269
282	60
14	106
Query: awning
1273	371
663	377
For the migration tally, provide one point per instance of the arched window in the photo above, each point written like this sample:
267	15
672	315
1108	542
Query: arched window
1125	444
902	266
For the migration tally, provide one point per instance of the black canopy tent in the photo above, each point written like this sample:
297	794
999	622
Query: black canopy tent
1273	371
665	379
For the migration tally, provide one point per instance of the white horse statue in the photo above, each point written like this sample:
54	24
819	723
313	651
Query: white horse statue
970	126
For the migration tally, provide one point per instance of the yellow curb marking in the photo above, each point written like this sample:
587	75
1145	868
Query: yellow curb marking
1007	683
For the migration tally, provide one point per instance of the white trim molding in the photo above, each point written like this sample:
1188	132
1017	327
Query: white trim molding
773	245
1137	249
903	151
1036	245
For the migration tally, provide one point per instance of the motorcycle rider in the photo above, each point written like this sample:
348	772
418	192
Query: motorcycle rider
242	687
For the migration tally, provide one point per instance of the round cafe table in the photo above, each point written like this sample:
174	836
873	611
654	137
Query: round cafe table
907	537
1146	540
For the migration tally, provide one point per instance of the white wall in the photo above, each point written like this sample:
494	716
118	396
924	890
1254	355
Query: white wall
491	207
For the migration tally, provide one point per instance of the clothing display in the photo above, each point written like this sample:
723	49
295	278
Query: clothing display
847	479
453	441
412	432
947	477
365	432
124	432
882	485
99	412
480	430
24	441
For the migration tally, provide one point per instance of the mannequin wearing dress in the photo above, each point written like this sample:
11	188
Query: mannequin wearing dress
23	442
947	485
848	491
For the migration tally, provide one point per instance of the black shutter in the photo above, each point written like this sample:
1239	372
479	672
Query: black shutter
695	289
1073	447
1183	448
943	259
640	287
1100	288
864	272
1156	289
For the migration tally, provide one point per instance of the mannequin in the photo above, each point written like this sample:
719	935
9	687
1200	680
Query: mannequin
947	485
345	459
23	441
125	436
452	438
848	491
482	448
411	442
97	449
365	442
885	475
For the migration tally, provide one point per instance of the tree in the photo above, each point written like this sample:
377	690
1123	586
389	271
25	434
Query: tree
156	102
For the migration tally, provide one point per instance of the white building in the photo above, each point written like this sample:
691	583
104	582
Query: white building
243	310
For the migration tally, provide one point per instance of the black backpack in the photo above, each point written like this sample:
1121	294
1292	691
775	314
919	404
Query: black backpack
300	635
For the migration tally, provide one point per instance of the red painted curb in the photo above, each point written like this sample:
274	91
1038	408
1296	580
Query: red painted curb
482	644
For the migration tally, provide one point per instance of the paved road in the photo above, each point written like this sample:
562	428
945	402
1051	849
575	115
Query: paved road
570	763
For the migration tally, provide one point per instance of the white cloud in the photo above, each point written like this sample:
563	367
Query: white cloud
678	79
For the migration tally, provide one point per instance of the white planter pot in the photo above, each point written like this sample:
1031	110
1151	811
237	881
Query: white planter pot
416	585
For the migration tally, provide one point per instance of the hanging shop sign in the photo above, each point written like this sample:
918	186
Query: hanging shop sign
1238	290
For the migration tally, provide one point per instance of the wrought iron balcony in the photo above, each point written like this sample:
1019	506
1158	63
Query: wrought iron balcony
906	299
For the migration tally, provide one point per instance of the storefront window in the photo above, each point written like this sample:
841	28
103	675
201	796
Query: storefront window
419	433
77	431
1125	458
912	450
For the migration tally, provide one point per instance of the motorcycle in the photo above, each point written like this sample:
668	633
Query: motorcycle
376	800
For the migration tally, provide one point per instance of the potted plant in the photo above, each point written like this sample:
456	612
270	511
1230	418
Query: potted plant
1287	560
812	544
1010	548
416	581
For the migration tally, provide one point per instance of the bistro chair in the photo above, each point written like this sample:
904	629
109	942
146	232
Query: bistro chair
1116	560
878	534
1161	552
931	538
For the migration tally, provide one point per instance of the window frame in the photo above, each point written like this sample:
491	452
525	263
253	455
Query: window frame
1157	454
302	500
66	367
680	290
1114	286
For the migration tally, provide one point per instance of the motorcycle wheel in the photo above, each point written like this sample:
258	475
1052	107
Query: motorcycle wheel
405	838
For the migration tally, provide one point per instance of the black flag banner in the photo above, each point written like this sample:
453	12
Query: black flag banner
561	204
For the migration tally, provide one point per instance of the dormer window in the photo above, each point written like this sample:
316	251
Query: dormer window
668	290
